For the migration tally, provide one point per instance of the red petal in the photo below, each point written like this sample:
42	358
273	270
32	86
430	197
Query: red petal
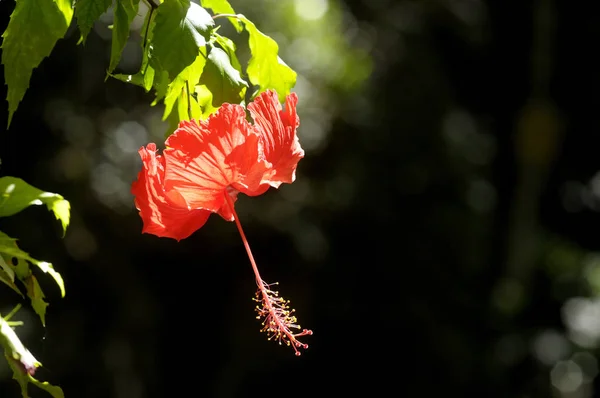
202	160
165	215
277	129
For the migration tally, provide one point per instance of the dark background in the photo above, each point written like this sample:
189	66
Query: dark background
441	238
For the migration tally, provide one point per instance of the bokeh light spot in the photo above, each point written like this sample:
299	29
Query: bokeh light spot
311	10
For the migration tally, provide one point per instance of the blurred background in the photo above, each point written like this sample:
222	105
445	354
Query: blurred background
440	238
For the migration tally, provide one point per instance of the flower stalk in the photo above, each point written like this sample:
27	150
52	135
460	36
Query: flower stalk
278	319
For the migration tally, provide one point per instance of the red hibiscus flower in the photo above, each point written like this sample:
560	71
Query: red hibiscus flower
203	169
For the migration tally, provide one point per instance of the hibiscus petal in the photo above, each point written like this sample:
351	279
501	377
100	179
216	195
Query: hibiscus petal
203	160
165	215
277	129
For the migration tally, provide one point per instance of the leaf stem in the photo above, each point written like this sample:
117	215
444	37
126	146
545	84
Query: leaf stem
148	28
152	4
189	100
236	16
13	312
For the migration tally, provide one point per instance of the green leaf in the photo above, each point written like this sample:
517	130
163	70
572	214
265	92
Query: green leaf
265	68
7	276
172	123
181	30
204	97
16	195
47	268
15	351
7	269
36	296
222	79
137	79
144	79
54	391
87	12
229	46
222	7
188	78
22	362
9	247
125	11
6	279
161	85
34	28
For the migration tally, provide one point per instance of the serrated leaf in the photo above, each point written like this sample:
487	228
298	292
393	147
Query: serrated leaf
54	391
24	48
124	12
137	79
16	195
222	79
87	12
181	29
145	77
9	247
222	7
36	296
265	68
188	78
48	268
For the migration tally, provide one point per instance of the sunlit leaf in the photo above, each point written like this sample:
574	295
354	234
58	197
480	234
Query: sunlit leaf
229	46
181	30
22	362
195	110
124	12
137	79
172	123
222	7
14	350
34	28
87	12
222	79
161	85
204	98
188	78
265	68
16	195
